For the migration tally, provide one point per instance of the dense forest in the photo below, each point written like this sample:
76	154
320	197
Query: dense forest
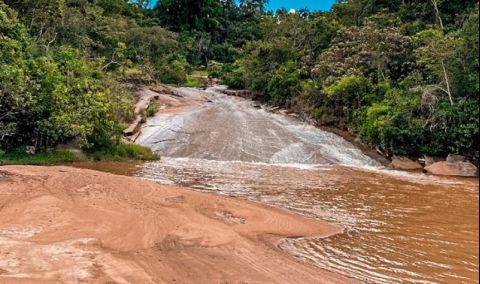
400	75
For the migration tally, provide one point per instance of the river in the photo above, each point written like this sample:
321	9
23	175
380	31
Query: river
399	227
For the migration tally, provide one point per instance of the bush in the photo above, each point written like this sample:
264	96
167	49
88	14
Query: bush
336	104
19	156
193	82
285	84
123	152
395	124
151	109
214	69
171	71
233	75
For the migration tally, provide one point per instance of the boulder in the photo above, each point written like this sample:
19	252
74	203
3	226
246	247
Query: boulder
455	158
405	164
446	168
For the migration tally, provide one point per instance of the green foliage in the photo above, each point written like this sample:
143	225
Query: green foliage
171	70
119	152
385	70
193	82
393	124
284	84
151	109
336	105
401	75
378	54
214	69
123	152
19	156
233	75
53	96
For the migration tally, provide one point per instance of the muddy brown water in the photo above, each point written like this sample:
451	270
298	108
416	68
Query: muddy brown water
124	168
399	227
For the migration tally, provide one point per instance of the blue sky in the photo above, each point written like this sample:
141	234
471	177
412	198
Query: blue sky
323	5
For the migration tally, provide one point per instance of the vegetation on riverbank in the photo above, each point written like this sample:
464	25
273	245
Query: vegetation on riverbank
121	152
19	156
400	75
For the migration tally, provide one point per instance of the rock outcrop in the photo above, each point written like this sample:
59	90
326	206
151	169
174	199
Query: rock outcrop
453	167
405	164
65	225
455	158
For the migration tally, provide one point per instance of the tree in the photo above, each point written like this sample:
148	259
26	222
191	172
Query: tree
43	17
438	55
16	49
378	54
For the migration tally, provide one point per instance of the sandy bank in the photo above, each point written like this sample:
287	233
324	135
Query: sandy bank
60	224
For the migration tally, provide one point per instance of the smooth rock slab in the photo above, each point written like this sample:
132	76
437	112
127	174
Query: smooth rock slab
462	169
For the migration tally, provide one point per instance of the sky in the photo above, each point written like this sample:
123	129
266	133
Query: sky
322	5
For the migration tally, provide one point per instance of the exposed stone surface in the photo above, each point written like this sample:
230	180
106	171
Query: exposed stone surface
403	163
455	158
463	169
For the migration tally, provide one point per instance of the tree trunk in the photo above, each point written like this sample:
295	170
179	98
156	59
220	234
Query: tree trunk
437	13
447	82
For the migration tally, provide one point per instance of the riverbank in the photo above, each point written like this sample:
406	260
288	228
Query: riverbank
47	157
70	225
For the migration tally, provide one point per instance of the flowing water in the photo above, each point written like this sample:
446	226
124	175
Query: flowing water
399	227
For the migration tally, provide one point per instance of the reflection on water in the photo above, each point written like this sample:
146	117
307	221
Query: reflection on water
398	227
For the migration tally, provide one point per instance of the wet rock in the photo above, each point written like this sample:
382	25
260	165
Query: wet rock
405	164
446	168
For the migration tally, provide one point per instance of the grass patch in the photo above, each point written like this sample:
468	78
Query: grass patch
193	82
19	156
200	73
151	110
123	152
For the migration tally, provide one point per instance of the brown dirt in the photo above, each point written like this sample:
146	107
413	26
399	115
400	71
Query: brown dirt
65	225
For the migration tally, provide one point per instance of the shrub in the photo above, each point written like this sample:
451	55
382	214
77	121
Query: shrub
171	71
123	152
233	75
19	156
151	109
285	84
